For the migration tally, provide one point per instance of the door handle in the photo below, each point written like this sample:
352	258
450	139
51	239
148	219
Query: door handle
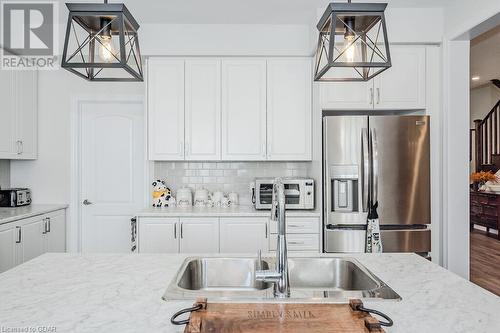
375	166
366	167
86	202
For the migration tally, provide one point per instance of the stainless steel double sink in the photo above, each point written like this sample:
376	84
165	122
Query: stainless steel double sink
323	279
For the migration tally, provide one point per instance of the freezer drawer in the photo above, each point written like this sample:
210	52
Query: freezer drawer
353	241
406	240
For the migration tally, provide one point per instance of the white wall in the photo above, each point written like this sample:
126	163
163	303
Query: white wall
482	100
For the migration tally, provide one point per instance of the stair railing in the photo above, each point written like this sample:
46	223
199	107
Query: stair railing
487	139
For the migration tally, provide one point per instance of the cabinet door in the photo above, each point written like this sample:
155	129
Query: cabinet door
203	111
199	235
56	232
165	109
26	88
244	109
158	235
8	234
346	95
243	235
289	109
32	239
403	85
8	144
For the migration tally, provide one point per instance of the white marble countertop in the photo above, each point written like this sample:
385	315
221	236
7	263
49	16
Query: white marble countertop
8	214
122	293
217	211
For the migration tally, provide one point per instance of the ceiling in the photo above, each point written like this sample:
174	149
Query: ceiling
236	11
485	57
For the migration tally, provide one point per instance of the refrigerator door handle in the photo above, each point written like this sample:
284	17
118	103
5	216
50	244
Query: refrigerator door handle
375	167
366	167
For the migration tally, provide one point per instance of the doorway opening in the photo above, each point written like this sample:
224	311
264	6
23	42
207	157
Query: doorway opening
485	157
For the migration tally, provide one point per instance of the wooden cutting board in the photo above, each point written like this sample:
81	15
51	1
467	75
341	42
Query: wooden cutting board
285	317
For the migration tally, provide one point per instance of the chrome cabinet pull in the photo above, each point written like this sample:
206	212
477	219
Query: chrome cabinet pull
44	226
182	236
295	243
266	230
294	226
175	230
371	96
19	235
18	146
378	95
48	224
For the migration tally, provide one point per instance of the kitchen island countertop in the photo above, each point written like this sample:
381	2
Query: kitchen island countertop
122	293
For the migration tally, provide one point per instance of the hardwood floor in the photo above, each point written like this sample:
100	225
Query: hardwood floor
485	261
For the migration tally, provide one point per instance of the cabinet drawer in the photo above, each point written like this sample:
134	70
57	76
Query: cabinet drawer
296	242
298	225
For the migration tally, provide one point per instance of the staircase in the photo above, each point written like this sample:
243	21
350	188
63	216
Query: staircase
485	141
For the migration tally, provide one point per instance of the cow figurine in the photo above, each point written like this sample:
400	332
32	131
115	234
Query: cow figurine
161	193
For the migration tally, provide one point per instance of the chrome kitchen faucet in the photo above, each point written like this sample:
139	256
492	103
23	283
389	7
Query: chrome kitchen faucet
280	275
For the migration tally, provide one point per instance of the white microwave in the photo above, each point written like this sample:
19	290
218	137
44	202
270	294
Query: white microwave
299	193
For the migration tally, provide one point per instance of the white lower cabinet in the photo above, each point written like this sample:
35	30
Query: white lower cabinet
25	239
302	234
158	235
32	239
8	233
55	235
199	235
174	235
244	234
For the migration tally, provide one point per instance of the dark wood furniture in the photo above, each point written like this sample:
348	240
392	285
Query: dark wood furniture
485	210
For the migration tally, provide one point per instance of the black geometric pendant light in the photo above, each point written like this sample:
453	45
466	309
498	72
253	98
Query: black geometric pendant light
352	44
101	43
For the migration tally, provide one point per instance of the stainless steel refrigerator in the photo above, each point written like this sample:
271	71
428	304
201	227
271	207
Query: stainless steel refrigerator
381	157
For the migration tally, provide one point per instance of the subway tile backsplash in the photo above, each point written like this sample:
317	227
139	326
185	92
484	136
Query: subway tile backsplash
225	176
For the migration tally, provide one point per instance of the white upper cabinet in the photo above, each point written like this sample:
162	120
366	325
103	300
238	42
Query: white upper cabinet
27	99
289	109
403	85
346	95
18	125
165	109
244	109
199	235
7	116
203	109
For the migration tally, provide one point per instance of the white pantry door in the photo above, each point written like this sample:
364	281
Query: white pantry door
112	173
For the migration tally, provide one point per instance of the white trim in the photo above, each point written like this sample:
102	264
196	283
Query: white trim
74	233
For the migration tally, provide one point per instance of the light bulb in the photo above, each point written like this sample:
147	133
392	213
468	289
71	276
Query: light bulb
106	50
350	50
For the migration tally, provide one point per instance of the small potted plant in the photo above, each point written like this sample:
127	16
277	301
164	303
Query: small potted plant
480	178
